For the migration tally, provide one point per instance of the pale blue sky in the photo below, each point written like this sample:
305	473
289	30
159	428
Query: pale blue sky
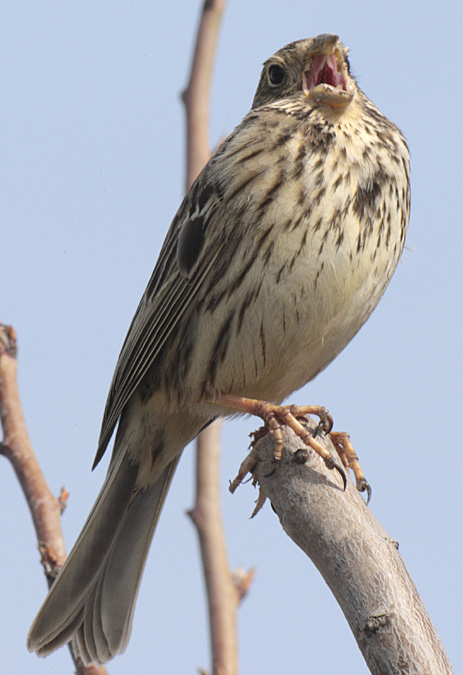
91	173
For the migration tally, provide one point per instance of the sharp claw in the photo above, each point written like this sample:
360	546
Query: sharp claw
326	423
364	486
331	463
368	489
343	475
324	426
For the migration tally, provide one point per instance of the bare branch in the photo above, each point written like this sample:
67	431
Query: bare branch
224	591
359	561
197	93
44	507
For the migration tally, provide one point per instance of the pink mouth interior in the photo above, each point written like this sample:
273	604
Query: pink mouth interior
325	70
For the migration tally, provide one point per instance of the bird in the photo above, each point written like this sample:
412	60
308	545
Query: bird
278	254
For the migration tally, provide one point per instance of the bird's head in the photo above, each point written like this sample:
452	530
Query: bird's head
317	68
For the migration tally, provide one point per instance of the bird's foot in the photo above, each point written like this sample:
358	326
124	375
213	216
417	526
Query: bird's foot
274	416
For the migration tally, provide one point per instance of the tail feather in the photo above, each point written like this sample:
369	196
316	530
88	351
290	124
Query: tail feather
93	598
108	612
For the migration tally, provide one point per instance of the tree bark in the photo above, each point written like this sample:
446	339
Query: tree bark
357	558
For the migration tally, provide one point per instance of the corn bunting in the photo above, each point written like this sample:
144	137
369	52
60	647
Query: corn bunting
276	257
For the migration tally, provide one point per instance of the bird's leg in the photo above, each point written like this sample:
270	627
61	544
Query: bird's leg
342	443
275	415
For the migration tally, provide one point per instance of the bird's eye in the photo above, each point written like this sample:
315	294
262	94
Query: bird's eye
276	75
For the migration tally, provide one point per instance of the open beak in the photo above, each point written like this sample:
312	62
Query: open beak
326	78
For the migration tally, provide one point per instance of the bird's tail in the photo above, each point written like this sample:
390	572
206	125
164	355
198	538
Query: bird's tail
93	598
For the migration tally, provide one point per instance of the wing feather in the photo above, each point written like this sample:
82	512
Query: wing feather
163	304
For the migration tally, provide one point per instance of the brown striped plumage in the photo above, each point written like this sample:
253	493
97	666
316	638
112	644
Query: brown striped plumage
276	257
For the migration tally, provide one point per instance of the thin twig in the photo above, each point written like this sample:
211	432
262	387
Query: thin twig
223	593
44	507
196	96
